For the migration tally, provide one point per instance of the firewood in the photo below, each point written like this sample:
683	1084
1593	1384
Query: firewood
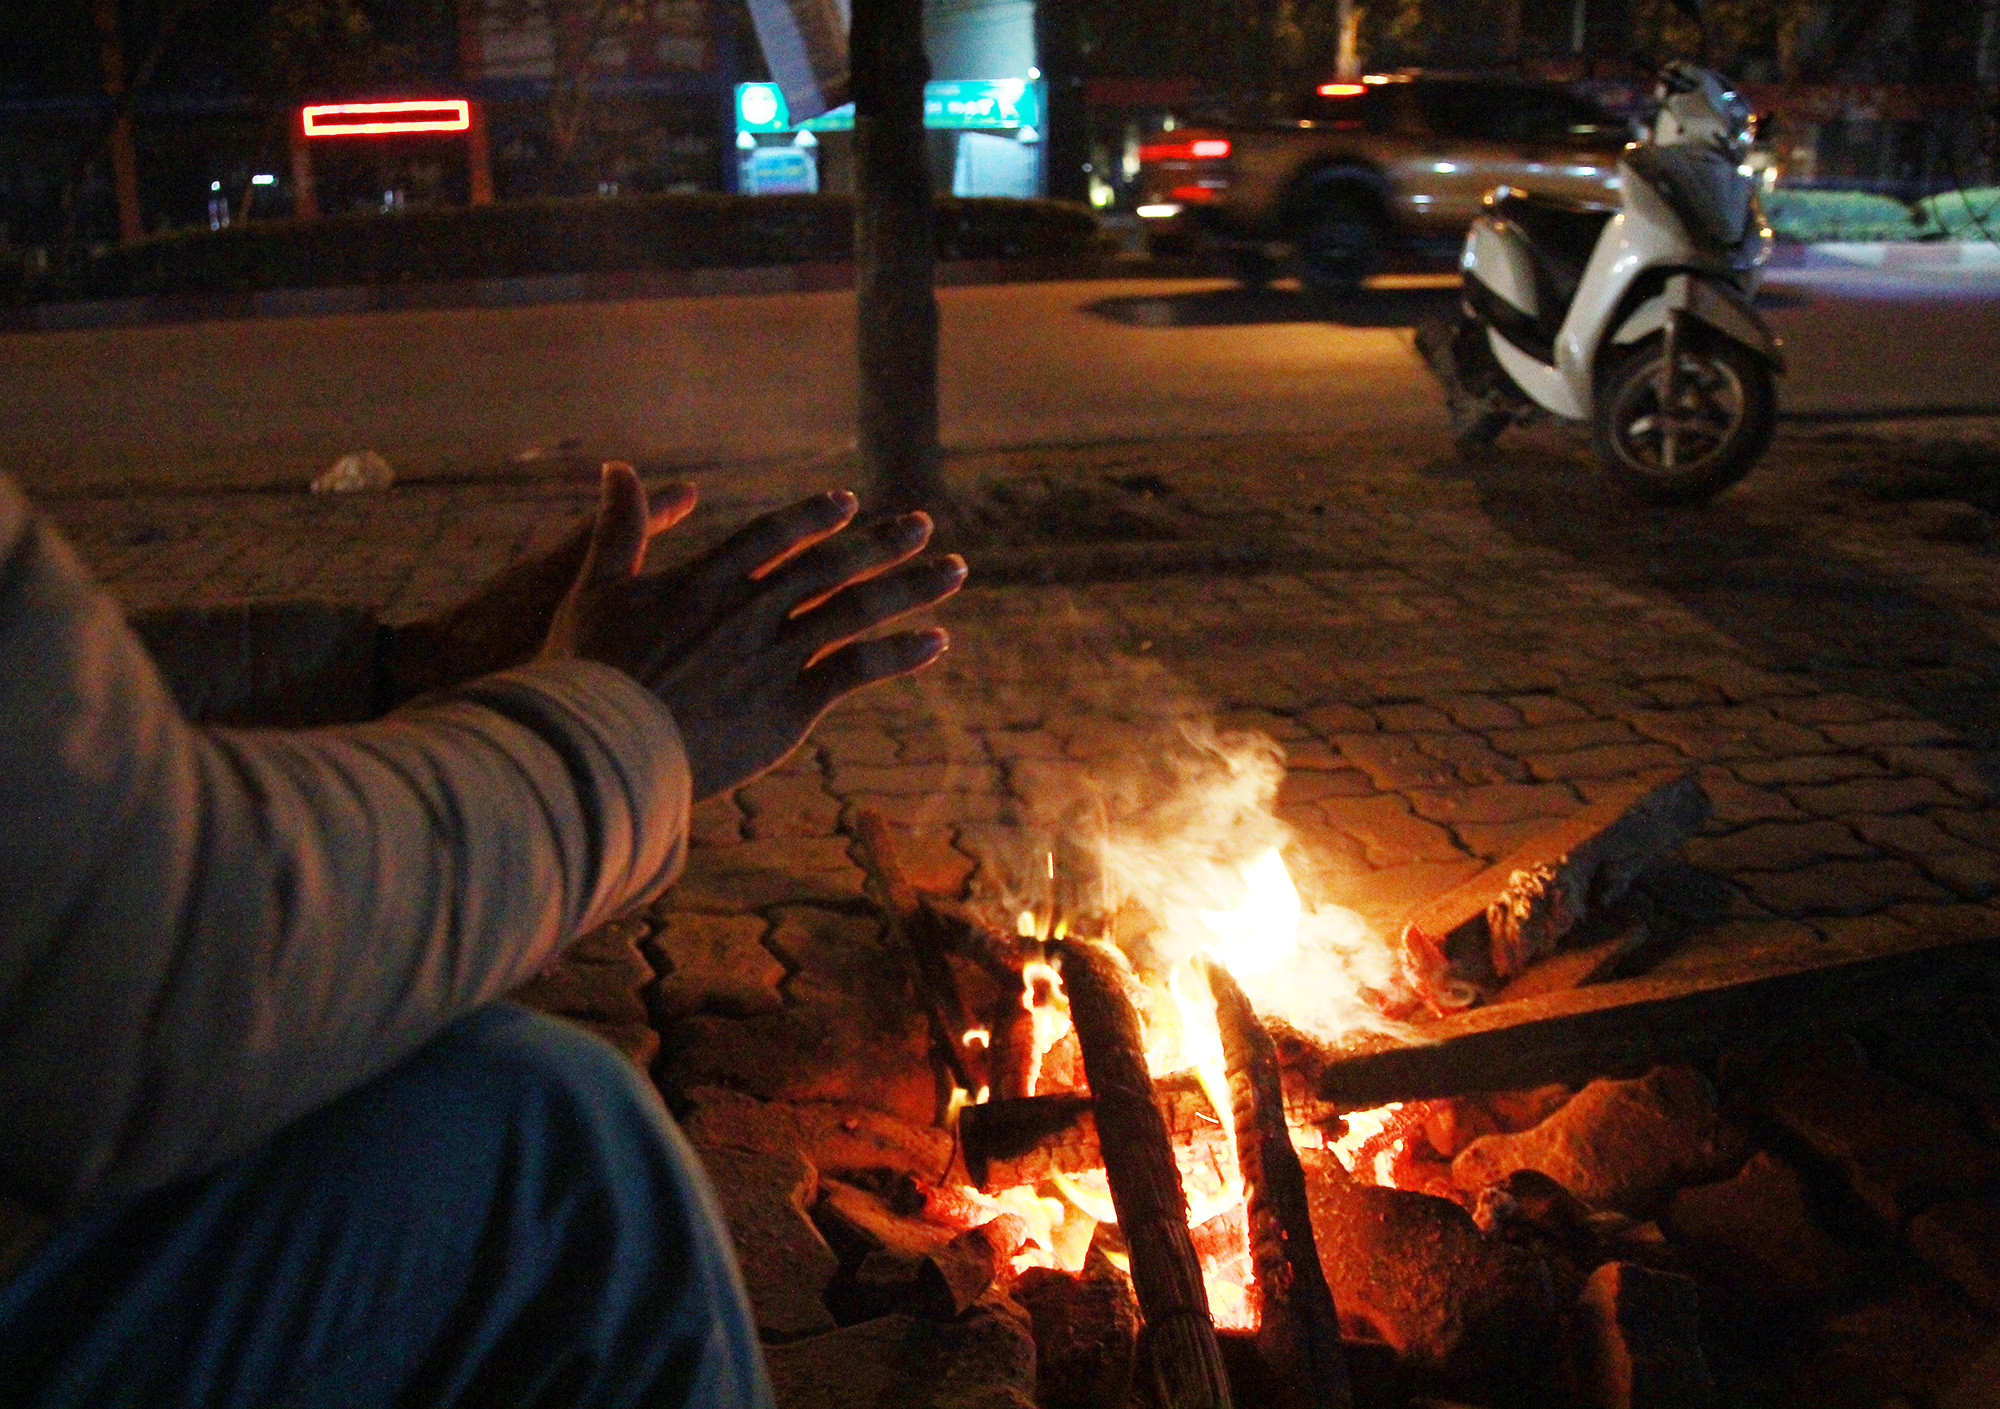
1298	1329
891	890
1145	1182
1013	1143
1697	1003
1458	948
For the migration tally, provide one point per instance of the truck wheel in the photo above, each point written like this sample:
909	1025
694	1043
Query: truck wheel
1340	244
1717	419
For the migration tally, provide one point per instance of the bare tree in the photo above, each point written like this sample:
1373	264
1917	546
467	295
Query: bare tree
897	311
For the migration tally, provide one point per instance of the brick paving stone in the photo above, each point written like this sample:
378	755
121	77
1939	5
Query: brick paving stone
1385	897
1410	718
1967	773
941	746
712	963
780	805
1608	761
914	779
1727	732
716	822
1777	846
1393	761
1679	692
1607	699
1958	921
1834	708
754	874
1313	755
1496	803
1565	737
1480	712
1889	733
939	809
854	744
1981	828
1262	721
1392	834
1009	744
1538	709
1493	840
1329	719
1743	683
1313	786
1471	758
1839	887
1734	803
1860	935
1812	768
1868	795
1972	871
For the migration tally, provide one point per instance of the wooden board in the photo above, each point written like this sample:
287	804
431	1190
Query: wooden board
1721	990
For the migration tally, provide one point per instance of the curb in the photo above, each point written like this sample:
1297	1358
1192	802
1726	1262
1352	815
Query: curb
1892	256
817	277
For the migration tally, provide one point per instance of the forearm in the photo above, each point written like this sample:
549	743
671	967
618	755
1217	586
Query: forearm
280	663
210	935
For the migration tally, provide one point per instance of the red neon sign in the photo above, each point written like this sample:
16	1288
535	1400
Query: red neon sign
379	119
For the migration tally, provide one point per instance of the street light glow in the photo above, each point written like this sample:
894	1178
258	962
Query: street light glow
379	119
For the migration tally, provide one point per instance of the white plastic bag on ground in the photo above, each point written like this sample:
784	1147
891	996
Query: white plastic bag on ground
356	470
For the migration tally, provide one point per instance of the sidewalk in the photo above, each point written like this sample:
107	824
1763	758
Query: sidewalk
1451	657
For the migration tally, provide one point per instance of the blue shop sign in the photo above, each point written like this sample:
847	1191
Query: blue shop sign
962	103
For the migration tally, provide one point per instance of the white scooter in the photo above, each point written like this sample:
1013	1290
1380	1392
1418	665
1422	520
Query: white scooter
1637	320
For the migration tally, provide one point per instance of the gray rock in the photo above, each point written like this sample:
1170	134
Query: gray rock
1756	1233
1636	1341
786	1264
984	1361
1616	1144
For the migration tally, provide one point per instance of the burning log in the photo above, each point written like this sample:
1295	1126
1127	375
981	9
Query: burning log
1014	1141
1145	1183
1465	943
1298	1329
903	908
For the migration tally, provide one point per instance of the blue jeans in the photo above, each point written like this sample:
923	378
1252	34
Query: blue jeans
507	1218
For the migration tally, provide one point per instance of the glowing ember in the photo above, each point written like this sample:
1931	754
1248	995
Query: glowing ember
977	1037
1048	1012
1255	937
1368	1150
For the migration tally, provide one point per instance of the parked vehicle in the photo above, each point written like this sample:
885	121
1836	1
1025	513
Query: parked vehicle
1347	175
1636	319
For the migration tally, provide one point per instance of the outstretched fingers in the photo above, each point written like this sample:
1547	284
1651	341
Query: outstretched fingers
768	542
864	605
863	663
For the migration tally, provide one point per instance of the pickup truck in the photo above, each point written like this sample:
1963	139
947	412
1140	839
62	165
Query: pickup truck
1350	174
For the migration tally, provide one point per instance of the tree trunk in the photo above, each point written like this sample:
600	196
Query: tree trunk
897	333
124	157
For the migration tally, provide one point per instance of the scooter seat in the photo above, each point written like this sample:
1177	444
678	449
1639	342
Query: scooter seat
1561	235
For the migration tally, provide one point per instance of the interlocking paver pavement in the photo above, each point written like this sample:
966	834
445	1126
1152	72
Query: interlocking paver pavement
1449	657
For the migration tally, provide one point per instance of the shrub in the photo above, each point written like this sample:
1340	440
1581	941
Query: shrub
1813	217
587	235
1964	215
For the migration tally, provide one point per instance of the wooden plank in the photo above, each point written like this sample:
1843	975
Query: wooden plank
1463	945
1702	1002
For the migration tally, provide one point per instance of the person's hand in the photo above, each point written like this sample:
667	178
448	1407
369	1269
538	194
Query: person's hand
506	621
752	642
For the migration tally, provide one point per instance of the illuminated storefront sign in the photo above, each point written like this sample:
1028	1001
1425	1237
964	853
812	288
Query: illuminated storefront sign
385	119
960	103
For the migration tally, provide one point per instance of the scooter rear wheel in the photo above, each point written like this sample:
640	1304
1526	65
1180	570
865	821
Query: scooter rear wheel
1703	437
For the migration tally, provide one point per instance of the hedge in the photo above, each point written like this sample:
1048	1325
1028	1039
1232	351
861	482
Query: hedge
570	236
1812	217
1964	215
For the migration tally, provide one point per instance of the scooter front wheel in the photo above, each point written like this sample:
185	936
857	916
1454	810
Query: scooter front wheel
1683	434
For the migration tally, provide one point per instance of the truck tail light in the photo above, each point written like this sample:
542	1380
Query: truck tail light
1187	149
1196	195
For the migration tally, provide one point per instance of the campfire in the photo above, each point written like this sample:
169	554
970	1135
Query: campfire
1135	1027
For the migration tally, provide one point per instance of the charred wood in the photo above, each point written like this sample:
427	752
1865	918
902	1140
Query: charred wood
1298	1329
1458	948
1145	1182
890	888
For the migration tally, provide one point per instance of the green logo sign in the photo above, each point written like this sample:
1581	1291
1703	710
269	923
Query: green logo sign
948	102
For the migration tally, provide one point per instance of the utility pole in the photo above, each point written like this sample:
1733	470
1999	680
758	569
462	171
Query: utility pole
1989	87
897	333
1347	62
124	157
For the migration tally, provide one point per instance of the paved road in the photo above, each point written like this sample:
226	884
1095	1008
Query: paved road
700	380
